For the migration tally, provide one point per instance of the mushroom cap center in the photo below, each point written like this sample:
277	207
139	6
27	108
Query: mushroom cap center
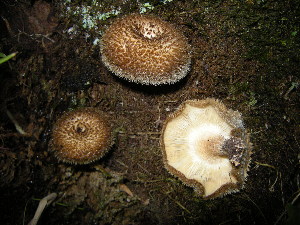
80	128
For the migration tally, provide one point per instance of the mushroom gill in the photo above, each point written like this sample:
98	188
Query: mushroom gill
81	136
207	147
145	49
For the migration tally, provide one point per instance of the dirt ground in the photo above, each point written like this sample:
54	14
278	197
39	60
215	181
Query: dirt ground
245	53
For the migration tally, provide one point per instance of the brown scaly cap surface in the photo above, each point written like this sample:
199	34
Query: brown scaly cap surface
81	136
145	49
207	147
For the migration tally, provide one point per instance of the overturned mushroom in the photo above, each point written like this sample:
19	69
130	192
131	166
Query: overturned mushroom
207	147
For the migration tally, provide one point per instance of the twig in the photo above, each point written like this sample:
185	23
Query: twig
278	174
18	127
264	164
43	203
259	210
179	204
285	210
7	26
296	198
293	86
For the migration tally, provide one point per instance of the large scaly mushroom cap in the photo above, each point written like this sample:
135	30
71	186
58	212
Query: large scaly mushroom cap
207	147
145	49
81	136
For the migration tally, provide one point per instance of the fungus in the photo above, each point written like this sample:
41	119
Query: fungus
81	136
207	147
145	49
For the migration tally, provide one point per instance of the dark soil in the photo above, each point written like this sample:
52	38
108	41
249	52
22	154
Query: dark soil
245	53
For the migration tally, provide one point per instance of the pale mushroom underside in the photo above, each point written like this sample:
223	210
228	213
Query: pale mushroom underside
192	140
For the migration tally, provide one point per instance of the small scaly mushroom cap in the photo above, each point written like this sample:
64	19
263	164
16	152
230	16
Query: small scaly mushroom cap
81	136
145	49
207	147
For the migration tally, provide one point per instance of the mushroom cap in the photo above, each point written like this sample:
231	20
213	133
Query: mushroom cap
81	136
207	147
145	49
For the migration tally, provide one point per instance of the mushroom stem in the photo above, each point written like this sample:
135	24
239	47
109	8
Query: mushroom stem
43	203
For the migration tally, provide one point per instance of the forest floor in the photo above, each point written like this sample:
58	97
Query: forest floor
244	53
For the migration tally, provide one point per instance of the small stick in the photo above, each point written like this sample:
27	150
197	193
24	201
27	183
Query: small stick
18	127
43	203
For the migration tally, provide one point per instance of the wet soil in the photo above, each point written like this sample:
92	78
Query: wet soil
245	53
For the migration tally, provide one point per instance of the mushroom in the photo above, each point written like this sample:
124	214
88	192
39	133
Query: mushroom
81	136
145	49
207	147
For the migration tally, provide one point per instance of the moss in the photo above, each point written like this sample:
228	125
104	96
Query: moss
271	31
